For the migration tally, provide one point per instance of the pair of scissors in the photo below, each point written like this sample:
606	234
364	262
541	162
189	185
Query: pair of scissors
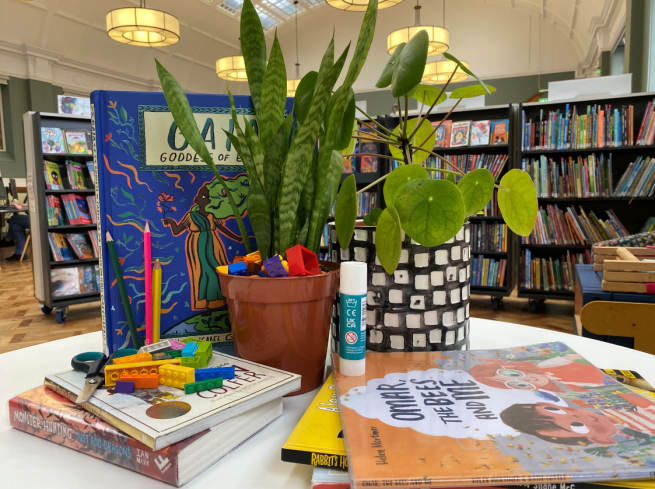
93	363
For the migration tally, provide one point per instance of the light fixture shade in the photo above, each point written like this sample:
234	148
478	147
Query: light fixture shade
143	27
232	68
439	38
440	71
292	86
360	5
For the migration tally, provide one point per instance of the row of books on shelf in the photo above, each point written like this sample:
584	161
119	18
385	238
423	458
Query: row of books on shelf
489	236
599	127
488	272
55	140
550	274
67	281
72	207
556	227
470	133
366	162
638	180
365	203
466	163
74	172
76	246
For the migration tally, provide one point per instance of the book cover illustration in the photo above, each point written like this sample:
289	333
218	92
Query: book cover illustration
81	246
367	162
52	140
538	413
479	133
499	130
59	247
64	281
442	135
53	175
76	142
459	135
75	175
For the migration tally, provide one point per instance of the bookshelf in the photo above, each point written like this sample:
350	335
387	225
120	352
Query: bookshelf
632	212
42	261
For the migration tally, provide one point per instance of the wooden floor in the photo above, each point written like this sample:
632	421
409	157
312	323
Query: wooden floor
23	324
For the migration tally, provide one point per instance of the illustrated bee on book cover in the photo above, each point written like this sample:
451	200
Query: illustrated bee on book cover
538	413
146	171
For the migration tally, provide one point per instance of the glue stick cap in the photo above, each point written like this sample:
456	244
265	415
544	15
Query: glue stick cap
353	278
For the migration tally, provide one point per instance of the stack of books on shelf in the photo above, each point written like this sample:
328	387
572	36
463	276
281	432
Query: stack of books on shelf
471	133
59	247
68	281
548	274
488	272
75	175
492	209
489	236
365	203
580	177
599	127
54	210
60	141
555	227
77	209
73	246
466	163
638	180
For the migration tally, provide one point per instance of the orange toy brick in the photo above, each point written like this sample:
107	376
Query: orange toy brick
176	376
138	358
142	381
114	372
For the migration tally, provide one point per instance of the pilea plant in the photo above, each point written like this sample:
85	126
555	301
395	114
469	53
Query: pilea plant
292	186
430	211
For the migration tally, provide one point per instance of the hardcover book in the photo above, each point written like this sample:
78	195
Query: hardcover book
64	281
499	130
76	142
459	135
75	175
479	133
442	136
532	414
52	140
81	246
53	177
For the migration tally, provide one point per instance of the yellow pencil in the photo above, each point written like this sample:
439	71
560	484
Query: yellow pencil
156	300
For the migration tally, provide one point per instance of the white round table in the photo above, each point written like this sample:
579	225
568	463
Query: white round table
256	464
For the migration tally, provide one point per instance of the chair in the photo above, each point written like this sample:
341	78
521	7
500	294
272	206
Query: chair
27	242
626	319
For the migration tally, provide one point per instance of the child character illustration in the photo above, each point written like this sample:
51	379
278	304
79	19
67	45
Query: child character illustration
204	249
55	180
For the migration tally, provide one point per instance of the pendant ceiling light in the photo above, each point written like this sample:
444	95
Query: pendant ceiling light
292	85
232	68
438	36
141	26
360	5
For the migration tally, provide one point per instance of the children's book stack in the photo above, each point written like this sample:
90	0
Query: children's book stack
638	180
488	272
69	281
59	247
548	273
54	210
77	209
55	140
470	133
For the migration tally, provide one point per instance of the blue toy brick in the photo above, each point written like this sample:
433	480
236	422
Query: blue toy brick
213	373
239	268
124	387
274	267
190	349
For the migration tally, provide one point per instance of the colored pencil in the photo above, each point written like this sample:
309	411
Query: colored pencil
156	300
123	291
147	267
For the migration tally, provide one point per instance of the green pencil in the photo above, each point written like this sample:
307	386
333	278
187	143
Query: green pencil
121	288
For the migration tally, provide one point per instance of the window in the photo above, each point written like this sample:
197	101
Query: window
286	8
267	19
232	6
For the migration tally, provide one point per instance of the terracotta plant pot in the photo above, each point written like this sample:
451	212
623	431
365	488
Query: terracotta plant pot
283	322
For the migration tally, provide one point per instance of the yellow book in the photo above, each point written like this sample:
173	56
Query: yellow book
317	439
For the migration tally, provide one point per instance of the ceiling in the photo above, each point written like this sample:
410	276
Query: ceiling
64	41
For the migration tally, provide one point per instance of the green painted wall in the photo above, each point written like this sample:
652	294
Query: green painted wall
20	96
512	90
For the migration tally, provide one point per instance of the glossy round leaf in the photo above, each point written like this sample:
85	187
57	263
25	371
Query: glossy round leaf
477	188
345	214
431	211
372	217
517	199
302	101
472	91
451	178
428	94
411	65
388	239
400	177
387	73
420	136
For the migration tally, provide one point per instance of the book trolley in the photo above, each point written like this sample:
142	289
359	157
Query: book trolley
42	262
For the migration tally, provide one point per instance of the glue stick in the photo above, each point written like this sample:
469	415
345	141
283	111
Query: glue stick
352	319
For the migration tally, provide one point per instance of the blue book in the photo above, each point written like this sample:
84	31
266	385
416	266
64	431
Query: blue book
145	171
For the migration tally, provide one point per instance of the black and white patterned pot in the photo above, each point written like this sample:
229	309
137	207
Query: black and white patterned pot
424	305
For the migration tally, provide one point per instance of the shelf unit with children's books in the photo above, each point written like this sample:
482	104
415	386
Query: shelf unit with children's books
592	157
61	193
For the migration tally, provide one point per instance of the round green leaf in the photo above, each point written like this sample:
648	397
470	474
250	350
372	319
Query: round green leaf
385	78
431	211
400	177
346	211
388	239
428	94
517	199
372	217
344	132
450	177
411	65
302	101
472	91
477	188
420	136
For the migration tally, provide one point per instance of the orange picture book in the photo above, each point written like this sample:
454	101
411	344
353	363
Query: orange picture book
531	414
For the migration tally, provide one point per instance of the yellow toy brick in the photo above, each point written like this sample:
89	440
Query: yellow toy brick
222	270
176	376
138	358
114	372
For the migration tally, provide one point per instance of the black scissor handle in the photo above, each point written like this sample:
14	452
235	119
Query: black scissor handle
90	362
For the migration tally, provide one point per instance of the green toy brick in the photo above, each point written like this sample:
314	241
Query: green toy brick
195	362
174	353
203	386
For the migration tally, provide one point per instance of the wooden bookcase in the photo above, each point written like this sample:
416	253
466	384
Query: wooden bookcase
42	262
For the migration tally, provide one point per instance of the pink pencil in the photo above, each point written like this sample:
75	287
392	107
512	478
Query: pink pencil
147	264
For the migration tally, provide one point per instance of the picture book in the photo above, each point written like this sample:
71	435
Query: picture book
499	130
44	413
64	281
459	135
54	210
317	439
76	142
442	136
145	171
75	175
479	133
367	163
160	417
531	414
92	172
53	176
93	235
349	165
52	140
633	380
59	247
81	246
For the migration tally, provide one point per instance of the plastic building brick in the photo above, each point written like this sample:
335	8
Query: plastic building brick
139	357
205	348
176	376
161	356
142	381
177	345
155	347
302	262
254	257
114	372
224	269
194	362
124	387
213	373
238	259
174	353
262	272
254	268
190	349
275	267
203	386
238	268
